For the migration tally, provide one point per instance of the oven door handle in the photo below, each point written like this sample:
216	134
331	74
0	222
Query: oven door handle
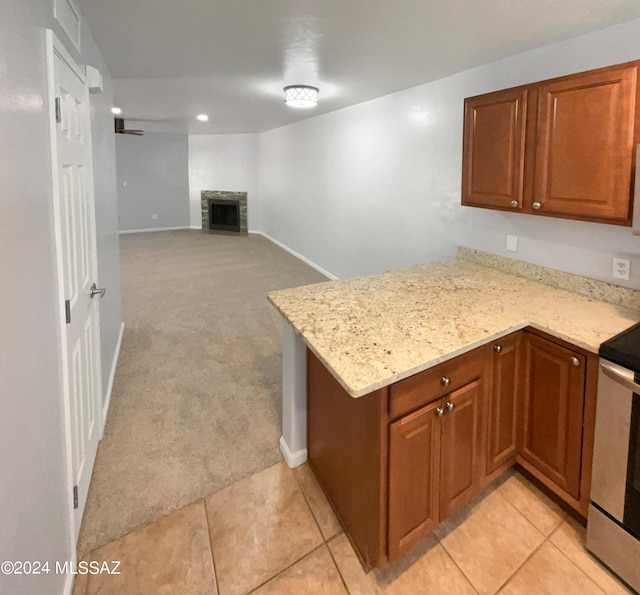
620	378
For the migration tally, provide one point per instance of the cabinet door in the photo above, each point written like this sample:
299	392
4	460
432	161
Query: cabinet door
551	419
585	143
460	470
493	154
502	422
414	455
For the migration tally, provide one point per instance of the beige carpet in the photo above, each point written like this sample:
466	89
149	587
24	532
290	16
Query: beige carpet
196	402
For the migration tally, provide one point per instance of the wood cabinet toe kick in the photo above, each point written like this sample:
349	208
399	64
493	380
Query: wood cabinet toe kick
398	461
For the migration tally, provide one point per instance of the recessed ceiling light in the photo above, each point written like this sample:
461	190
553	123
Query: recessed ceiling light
203	117
116	110
301	96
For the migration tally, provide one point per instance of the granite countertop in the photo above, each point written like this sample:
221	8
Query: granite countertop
374	330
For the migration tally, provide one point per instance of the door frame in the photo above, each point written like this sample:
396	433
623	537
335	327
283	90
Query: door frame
55	46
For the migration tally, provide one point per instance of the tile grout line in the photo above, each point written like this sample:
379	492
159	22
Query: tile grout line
325	540
520	566
444	549
575	565
213	560
280	572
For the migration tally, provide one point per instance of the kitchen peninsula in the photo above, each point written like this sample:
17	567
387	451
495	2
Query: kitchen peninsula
426	383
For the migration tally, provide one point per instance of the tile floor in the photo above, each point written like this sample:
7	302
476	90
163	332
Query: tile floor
274	533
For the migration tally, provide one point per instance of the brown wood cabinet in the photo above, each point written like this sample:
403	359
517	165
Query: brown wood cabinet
414	477
434	463
550	437
562	148
505	379
396	462
493	161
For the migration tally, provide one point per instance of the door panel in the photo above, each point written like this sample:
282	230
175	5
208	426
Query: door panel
505	386
493	154
551	420
459	465
414	454
585	144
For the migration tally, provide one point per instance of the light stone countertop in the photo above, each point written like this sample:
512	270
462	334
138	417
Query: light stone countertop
374	330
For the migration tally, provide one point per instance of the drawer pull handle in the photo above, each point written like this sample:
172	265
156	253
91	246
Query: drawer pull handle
446	381
450	406
497	348
439	411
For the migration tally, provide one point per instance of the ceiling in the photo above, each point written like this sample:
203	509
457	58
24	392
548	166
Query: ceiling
230	59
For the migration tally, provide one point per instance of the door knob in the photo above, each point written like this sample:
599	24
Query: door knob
497	348
536	205
450	406
514	203
439	411
446	381
94	291
574	361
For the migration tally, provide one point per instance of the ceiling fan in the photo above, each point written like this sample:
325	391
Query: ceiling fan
120	129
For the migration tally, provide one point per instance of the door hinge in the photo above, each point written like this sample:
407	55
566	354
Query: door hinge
75	497
58	111
67	311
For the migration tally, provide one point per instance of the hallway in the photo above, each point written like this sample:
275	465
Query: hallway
196	401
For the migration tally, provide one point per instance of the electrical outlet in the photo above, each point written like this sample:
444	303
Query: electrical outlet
621	268
154	216
512	243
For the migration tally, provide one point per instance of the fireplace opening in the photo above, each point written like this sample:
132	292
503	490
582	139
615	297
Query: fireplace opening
224	215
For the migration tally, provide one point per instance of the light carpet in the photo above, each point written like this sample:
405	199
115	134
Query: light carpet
196	402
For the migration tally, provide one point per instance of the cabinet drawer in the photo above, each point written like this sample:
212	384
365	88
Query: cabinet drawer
421	388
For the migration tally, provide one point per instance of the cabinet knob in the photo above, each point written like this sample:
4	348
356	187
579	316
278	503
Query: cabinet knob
450	406
497	348
574	361
439	411
514	203
446	381
536	205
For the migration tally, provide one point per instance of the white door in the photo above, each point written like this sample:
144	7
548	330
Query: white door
77	269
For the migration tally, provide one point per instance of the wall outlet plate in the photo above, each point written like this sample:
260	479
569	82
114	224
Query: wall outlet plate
512	243
154	216
621	268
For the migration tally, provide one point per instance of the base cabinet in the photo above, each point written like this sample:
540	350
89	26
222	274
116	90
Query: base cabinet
398	461
414	476
506	371
550	437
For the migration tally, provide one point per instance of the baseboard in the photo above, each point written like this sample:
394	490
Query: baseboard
199	227
293	459
112	375
297	255
125	231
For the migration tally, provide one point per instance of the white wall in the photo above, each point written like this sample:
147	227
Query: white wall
155	169
377	185
34	496
225	162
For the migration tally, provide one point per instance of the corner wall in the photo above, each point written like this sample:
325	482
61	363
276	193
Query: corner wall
154	168
225	162
377	185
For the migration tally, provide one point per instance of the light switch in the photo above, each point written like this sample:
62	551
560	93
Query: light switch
154	216
512	243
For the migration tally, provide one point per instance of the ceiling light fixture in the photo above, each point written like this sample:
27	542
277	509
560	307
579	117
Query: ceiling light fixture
203	117
301	96
116	110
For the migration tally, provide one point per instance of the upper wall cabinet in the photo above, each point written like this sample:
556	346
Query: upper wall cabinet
561	148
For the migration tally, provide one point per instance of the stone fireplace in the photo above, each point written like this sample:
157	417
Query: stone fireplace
224	211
